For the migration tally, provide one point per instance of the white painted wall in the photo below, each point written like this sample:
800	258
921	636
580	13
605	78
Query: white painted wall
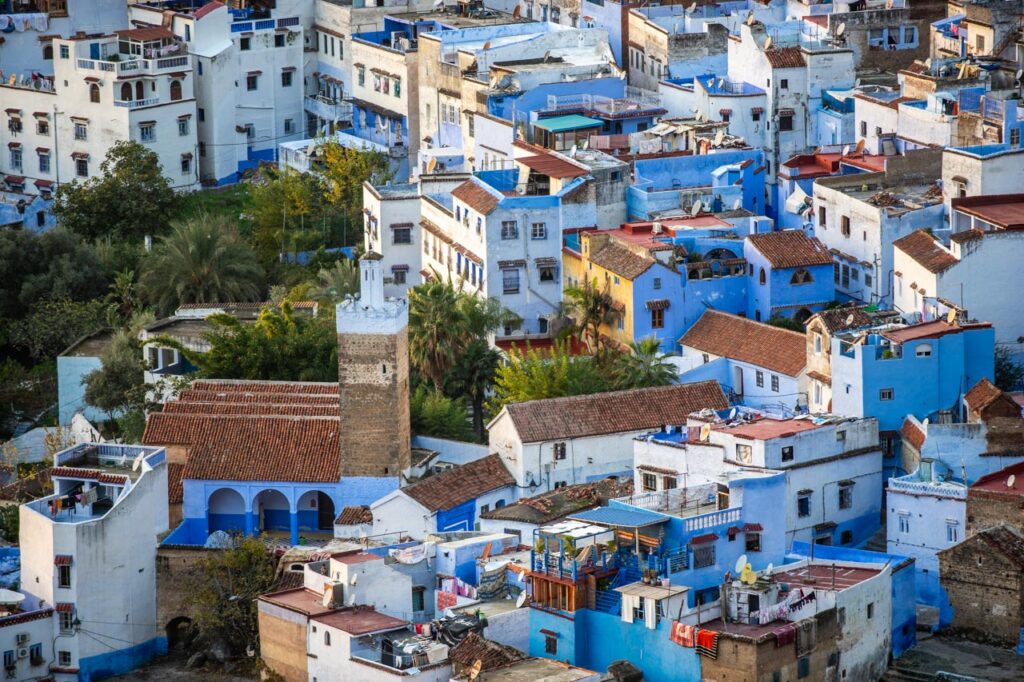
396	512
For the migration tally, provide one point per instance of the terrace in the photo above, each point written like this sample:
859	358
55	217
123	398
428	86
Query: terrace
635	102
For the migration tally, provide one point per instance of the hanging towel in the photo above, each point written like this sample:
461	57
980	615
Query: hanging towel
707	643
682	634
784	635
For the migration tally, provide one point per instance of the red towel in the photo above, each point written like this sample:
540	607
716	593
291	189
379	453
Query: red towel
682	634
707	643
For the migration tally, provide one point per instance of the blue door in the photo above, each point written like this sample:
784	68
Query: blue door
94	50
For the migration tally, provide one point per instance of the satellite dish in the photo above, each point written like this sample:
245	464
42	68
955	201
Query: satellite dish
737	205
840	29
748	576
721	82
698	206
741	563
951	316
768	569
705	431
1019	74
691	8
750	17
138	461
1010	481
924	422
572	152
768	43
860	147
432	164
353	580
846	149
328	599
719	137
699	116
849	319
487	45
474	670
711	82
521	600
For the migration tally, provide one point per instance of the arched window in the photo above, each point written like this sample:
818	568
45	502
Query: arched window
761	277
126	92
140	90
801	276
48	53
327	638
94	93
175	90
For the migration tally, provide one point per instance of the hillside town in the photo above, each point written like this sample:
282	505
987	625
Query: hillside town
512	340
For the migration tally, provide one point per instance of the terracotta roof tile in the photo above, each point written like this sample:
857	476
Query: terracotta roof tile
912	434
360	620
1006	541
983	394
622	261
476	197
354	516
475	647
552	166
791	249
270	409
175	491
835	319
207	8
967	236
785	58
300	387
639	409
463	483
556	504
202	396
926	251
730	336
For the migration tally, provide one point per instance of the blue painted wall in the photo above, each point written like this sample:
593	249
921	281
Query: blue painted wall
607	15
653	176
121	661
71	371
904	601
777	296
457	518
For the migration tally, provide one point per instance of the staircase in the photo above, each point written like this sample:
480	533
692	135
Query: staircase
877	541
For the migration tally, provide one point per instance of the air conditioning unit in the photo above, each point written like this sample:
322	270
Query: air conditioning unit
22	639
23	652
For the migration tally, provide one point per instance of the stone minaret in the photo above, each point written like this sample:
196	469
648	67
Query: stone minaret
373	373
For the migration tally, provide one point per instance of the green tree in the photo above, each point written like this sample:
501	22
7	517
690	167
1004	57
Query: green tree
285	209
119	384
435	414
202	260
532	376
123	301
223	596
473	376
786	323
343	171
591	307
438	329
1009	373
338	281
129	198
54	325
644	366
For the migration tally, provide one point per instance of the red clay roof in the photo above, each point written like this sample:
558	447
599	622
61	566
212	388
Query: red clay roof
354	516
193	395
491	654
926	251
767	429
730	336
300	599
927	330
1002	210
835	319
638	409
461	484
207	8
997	481
967	236
296	387
785	58
175	491
913	434
148	33
1003	539
360	620
188	407
791	249
476	197
983	394
552	166
622	261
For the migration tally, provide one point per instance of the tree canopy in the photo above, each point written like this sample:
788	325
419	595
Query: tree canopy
129	198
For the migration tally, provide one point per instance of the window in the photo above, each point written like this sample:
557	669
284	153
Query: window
42	126
867	278
924	350
9	660
201	113
845	496
784	83
245	43
16	158
775	383
64	657
186	164
64	576
558	450
509	229
44	162
759	378
35	654
401	235
705	357
147	132
822	214
658	318
648	483
48	53
67	621
755	115
803	667
840	436
952	532
885	394
183	127
844	225
397	92
704	555
81	131
1014	137
753	543
279	40
657	283
286	79
361	79
548	273
82	168
801	276
817	343
175	90
399	276
846	537
538	231
979	43
550	644
202	149
510	281
803	505
762	278
785	122
252	81
560	484
787	453
94	93
470	123
250	131
668	483
200	66
327	638
744	453
289	126
854	274
904	524
871	610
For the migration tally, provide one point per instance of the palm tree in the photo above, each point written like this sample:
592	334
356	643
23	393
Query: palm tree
590	307
645	365
338	282
202	260
438	329
473	376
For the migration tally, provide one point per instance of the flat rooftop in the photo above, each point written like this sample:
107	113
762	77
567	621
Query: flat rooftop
299	599
533	669
453	19
825	576
360	620
1002	210
766	429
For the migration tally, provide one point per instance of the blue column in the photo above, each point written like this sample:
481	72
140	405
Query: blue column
295	527
249	523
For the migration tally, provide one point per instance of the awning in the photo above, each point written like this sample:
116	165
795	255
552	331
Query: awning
288	68
79	155
40	114
757	110
14	145
512	264
560	124
545	262
752	528
62	560
14	180
254	73
399	268
658	304
13	111
620	518
701	539
397	226
725	112
91	79
734	530
64	607
186	155
787	112
43	184
42	150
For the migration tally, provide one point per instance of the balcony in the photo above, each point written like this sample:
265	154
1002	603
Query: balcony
636	102
136	67
679	502
137	103
328	108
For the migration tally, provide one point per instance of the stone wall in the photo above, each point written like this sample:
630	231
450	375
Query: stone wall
283	643
373	370
984	588
987	509
177	569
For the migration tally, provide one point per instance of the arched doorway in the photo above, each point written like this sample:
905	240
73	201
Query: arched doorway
316	511
126	92
802	315
225	511
180	633
271	511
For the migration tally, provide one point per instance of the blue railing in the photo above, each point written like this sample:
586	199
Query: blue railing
265	24
241	26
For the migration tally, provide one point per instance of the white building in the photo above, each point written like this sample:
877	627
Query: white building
548	444
89	552
103	90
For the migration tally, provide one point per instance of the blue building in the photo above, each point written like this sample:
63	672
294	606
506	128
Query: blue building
920	369
32	212
788	275
73	365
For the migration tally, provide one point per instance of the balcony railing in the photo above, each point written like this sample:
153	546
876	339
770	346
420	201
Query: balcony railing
711	520
136	103
636	100
134	66
939	488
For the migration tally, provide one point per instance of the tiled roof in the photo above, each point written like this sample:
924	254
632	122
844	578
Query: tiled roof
175	491
360	620
998	482
926	251
983	394
556	504
621	260
912	434
730	336
476	197
475	648
195	395
791	249
637	409
839	319
967	236
305	387
207	8
785	58
1006	541
463	483
552	166
305	449
929	330
188	407
353	516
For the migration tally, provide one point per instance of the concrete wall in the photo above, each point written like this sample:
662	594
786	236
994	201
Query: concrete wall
283	641
985	588
71	373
